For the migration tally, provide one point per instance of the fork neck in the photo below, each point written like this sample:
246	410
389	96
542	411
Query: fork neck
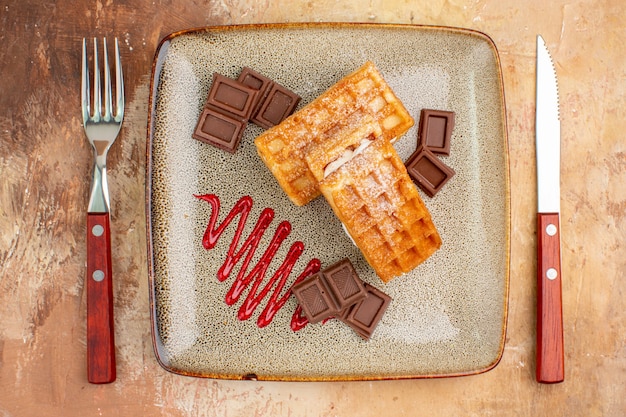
99	195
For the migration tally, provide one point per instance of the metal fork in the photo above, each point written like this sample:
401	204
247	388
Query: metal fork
102	127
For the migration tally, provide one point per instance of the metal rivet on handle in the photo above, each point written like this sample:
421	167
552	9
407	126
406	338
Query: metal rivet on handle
551	229
98	275
551	273
97	230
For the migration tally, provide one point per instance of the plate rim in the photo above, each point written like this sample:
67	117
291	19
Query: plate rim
157	65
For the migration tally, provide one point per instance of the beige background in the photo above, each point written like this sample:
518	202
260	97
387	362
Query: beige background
44	179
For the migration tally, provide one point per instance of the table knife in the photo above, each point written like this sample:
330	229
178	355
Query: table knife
550	357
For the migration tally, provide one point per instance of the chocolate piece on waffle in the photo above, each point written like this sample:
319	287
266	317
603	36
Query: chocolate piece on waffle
373	196
284	147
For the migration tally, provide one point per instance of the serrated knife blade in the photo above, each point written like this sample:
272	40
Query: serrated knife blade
550	356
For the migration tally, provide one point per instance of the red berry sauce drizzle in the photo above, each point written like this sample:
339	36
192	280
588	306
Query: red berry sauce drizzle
245	253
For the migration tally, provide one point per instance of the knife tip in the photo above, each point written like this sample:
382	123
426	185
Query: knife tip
540	40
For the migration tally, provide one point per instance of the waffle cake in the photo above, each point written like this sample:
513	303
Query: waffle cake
377	201
284	147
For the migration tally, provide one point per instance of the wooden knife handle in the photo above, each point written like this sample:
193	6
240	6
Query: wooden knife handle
550	358
100	340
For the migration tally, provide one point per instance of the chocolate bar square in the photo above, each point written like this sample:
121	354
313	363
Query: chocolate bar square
435	130
232	97
277	106
345	283
252	79
315	298
428	171
365	315
219	130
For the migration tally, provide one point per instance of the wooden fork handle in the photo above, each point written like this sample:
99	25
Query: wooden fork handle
100	335
550	361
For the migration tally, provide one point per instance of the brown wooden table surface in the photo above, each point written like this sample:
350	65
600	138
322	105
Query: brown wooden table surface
45	164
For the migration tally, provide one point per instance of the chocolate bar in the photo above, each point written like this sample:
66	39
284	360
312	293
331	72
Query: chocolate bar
345	283
428	171
435	130
363	317
256	81
337	291
316	298
274	102
232	97
232	103
330	291
279	103
219	129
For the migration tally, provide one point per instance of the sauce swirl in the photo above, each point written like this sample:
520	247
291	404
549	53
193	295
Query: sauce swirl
254	278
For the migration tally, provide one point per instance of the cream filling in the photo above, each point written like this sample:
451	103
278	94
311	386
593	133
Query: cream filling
345	157
345	229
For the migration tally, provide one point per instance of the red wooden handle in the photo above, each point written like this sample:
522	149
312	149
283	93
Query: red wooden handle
100	340
550	358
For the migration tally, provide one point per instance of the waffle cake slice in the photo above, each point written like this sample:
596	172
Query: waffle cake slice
284	147
376	200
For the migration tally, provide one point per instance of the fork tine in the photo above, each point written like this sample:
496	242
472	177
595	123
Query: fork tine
119	82
107	82
97	100
84	92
